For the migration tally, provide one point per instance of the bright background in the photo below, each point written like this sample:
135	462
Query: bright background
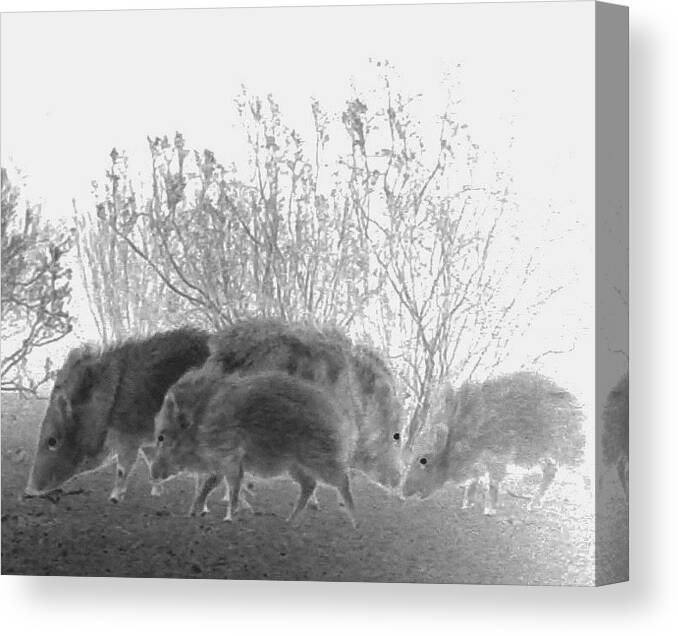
526	90
73	606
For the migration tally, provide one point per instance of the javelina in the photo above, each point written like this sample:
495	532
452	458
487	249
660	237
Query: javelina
356	377
615	440
268	424
103	404
521	418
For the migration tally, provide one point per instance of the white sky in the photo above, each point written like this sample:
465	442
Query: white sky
76	84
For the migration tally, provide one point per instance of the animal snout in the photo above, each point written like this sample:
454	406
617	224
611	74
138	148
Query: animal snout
159	471
406	489
391	477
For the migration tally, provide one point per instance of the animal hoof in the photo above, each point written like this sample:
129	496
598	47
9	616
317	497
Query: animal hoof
488	512
113	499
314	505
156	491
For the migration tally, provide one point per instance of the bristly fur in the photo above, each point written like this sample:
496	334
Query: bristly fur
146	367
526	413
268	424
104	401
311	353
355	375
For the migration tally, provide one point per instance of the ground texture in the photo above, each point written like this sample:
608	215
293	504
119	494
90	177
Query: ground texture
428	541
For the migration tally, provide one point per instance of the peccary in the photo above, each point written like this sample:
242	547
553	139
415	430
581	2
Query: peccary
117	391
268	424
103	403
615	438
356	377
522	418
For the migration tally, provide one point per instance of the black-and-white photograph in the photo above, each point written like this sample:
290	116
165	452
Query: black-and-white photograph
319	294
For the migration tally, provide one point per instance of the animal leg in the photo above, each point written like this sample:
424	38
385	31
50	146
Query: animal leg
307	485
345	492
336	474
470	493
234	473
313	501
148	453
549	469
243	501
204	485
491	504
489	490
126	458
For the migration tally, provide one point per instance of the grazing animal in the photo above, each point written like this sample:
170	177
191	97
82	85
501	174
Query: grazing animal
480	428
103	404
107	399
615	440
357	378
267	424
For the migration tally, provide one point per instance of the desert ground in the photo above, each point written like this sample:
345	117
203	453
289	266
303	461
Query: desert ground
429	541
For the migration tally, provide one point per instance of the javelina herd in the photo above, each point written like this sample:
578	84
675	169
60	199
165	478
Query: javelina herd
270	398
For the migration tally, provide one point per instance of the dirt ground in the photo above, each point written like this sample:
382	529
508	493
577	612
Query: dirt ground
418	541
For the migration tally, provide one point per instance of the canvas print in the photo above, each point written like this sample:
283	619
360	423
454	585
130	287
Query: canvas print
320	294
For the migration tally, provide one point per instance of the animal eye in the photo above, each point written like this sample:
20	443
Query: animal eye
52	443
161	439
396	436
423	461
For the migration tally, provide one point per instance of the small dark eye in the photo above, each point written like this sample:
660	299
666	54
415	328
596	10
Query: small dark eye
396	436
423	461
161	439
52	443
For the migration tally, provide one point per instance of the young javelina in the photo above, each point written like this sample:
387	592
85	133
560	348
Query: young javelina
268	424
524	419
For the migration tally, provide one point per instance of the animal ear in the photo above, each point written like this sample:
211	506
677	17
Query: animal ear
170	404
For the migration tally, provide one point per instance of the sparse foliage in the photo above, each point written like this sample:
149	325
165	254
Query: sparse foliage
365	224
273	246
36	288
459	281
125	295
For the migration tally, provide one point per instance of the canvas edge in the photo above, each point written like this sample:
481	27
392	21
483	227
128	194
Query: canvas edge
612	212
